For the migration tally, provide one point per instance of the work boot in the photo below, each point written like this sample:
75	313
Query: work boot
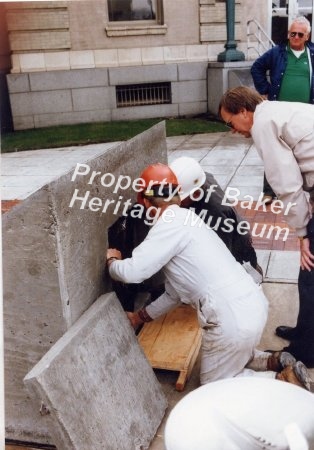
296	374
278	361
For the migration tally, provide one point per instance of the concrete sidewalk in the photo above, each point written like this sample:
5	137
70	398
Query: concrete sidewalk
234	162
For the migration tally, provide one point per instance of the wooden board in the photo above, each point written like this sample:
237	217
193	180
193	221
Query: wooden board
172	342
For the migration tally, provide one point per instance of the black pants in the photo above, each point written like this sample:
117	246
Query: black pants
267	189
302	348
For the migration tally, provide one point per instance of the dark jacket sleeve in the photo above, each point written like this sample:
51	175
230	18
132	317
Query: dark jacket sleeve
259	71
310	45
125	235
214	213
268	70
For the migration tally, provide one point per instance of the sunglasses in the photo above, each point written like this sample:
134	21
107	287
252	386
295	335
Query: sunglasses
294	33
229	124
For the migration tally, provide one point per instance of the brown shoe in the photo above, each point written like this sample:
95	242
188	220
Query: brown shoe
297	375
278	361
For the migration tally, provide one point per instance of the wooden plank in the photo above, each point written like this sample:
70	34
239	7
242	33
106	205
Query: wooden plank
172	342
185	374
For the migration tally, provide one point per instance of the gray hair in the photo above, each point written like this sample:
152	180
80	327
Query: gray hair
302	20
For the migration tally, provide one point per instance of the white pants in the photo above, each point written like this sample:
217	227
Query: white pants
229	349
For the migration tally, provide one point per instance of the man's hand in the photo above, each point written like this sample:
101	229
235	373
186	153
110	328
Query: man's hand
307	258
113	253
134	319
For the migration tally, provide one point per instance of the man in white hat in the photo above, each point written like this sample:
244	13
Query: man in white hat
231	308
201	192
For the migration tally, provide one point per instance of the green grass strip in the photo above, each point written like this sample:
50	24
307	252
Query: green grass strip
91	133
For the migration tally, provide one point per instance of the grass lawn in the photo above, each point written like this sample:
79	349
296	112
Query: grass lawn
91	133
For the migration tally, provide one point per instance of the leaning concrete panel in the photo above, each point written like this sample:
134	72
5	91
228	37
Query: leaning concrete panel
53	265
97	385
82	225
32	305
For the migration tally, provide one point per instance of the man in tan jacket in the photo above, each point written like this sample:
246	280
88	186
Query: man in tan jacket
283	133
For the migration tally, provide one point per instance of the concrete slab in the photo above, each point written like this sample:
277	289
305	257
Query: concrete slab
175	141
252	158
53	260
197	154
200	141
226	144
97	385
283	310
221	170
253	192
235	141
263	259
250	170
223	180
30	170
283	267
209	139
224	157
246	180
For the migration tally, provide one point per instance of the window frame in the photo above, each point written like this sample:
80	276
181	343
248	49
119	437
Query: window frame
137	27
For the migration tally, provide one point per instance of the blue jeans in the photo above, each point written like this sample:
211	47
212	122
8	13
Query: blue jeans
302	348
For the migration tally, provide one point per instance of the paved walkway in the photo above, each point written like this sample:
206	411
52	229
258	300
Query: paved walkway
235	163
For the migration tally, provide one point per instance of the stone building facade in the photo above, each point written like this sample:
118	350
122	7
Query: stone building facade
77	61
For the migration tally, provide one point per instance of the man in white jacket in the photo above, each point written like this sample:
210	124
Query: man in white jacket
283	133
200	271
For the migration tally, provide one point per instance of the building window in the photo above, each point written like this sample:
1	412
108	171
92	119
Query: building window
135	18
143	94
128	10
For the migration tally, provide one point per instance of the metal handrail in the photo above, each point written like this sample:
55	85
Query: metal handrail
262	41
